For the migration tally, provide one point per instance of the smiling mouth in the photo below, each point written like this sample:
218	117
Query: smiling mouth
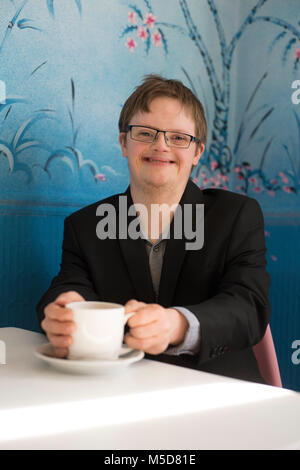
157	160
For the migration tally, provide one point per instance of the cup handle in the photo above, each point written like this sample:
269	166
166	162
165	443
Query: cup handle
127	316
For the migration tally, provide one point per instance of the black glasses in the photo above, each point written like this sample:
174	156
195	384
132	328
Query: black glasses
172	139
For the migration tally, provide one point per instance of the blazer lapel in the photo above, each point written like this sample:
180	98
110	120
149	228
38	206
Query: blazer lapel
176	248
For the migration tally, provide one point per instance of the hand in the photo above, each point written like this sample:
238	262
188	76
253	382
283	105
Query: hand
58	322
153	328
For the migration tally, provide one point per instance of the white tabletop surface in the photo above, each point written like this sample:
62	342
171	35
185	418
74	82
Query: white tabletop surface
149	405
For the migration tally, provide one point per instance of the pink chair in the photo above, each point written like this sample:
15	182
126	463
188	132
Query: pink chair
265	354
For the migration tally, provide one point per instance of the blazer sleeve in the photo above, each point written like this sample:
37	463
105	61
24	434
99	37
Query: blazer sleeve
236	317
73	275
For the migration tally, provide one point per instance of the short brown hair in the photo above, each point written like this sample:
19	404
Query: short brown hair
155	86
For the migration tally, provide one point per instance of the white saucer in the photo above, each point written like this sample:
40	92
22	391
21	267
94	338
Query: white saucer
88	366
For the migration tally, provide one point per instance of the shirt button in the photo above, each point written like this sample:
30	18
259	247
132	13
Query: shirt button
156	248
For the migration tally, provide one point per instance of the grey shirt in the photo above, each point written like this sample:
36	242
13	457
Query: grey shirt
191	342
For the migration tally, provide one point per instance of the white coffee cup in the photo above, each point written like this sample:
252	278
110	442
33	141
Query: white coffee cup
100	330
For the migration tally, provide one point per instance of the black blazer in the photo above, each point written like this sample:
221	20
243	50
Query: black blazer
225	283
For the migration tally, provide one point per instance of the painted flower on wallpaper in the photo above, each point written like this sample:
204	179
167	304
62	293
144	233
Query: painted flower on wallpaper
157	38
131	44
150	20
132	17
147	29
223	160
142	33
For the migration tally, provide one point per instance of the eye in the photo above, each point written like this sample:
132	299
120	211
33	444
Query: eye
179	138
144	133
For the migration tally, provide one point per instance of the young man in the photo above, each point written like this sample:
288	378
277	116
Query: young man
202	307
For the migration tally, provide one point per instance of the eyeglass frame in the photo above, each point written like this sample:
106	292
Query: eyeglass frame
193	139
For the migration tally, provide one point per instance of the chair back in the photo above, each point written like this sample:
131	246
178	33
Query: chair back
266	357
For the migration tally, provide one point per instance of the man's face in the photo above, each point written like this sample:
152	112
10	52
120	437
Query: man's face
155	165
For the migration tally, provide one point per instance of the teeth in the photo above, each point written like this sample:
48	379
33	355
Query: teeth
156	160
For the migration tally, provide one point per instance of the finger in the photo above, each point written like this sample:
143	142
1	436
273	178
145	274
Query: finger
137	343
67	297
146	314
60	341
61	352
147	331
56	312
58	327
133	305
153	345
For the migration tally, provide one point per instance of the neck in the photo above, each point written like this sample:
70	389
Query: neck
155	207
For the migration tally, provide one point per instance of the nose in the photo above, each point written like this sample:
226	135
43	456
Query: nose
160	141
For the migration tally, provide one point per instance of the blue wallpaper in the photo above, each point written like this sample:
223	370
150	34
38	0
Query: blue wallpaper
66	68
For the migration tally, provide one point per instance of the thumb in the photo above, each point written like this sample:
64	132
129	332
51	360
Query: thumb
133	305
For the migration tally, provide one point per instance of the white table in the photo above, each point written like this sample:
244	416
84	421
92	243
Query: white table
150	405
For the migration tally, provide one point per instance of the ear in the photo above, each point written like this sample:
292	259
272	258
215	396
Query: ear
123	143
199	152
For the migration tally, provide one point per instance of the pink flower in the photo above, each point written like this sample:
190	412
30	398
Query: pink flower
214	165
131	44
297	54
267	234
215	181
142	33
205	181
195	180
225	178
241	176
239	188
274	258
273	181
271	193
257	189
287	189
150	20
157	38
203	173
253	180
248	167
131	17
284	178
237	169
100	177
